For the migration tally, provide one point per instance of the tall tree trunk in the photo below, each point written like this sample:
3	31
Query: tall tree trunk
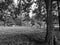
49	27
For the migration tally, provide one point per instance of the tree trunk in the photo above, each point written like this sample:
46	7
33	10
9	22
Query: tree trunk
49	27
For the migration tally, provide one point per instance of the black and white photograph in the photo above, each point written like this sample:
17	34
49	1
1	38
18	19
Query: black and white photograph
29	22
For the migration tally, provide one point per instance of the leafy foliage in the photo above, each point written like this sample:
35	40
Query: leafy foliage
27	13
55	14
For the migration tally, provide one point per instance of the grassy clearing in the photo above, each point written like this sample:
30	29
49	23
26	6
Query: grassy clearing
5	30
15	35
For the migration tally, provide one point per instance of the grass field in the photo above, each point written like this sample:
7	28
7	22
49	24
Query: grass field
15	35
21	29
